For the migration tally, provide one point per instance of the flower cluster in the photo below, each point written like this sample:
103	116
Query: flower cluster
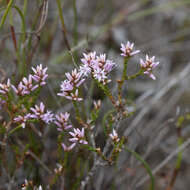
26	86
69	87
78	136
22	119
38	112
98	66
148	65
4	88
40	75
62	121
127	50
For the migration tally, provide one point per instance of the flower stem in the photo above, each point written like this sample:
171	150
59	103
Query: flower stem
15	129
107	93
134	76
121	81
124	68
76	109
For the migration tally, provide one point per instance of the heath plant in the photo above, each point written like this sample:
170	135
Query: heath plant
25	114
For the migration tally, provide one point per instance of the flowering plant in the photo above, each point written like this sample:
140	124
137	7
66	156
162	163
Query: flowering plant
19	101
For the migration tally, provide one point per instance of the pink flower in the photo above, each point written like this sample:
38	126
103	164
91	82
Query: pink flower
4	88
69	87
27	84
47	117
148	65
62	121
78	136
88	58
127	50
40	75
39	113
85	70
101	68
75	96
66	87
20	90
88	62
68	148
75	78
100	75
109	65
38	110
114	136
22	119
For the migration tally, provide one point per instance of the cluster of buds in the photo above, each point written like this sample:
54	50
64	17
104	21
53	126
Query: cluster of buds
62	121
4	88
98	66
26	86
69	87
114	136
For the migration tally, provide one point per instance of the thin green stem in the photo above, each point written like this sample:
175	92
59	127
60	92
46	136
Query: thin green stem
125	68
75	23
25	7
63	24
6	13
15	129
107	92
23	30
145	164
120	82
89	97
134	76
76	108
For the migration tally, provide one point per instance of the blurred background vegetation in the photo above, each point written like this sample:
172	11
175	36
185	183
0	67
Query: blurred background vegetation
56	33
